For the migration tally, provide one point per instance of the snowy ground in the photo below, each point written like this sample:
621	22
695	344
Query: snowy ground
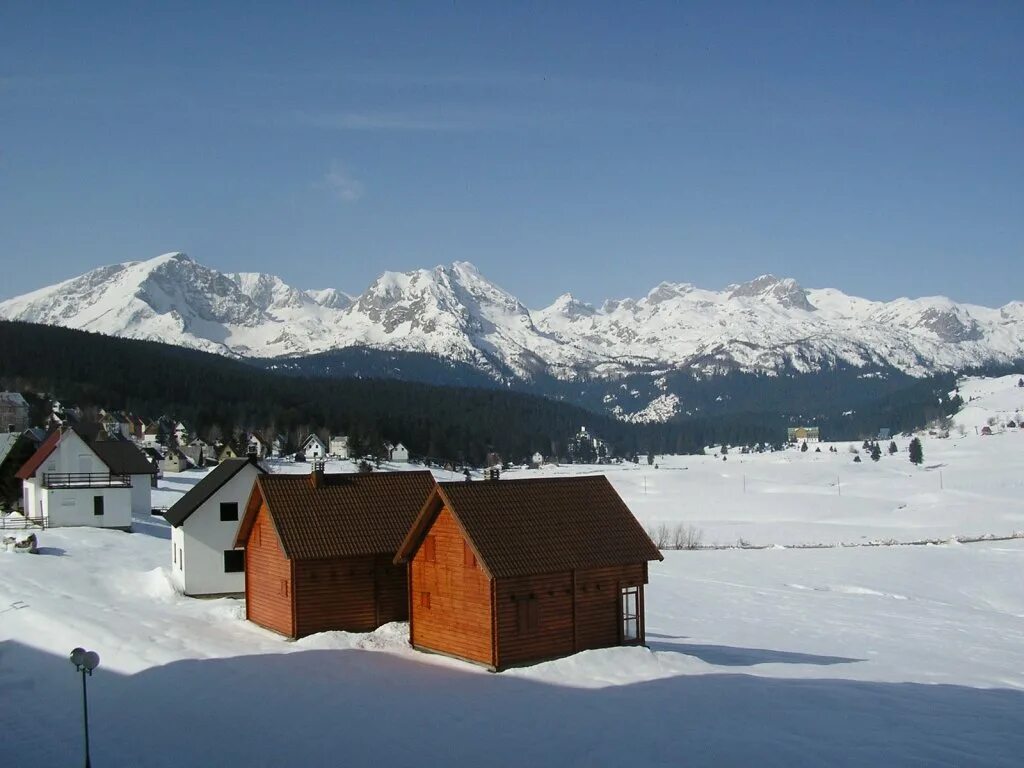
788	657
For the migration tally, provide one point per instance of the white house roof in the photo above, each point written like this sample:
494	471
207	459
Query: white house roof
205	488
7	441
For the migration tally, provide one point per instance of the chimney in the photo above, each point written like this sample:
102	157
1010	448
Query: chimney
316	476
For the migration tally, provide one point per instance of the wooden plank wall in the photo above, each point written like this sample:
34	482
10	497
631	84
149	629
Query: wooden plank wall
597	603
553	635
458	619
268	578
335	594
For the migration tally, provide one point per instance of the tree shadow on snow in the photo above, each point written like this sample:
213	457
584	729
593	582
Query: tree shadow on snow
353	707
728	656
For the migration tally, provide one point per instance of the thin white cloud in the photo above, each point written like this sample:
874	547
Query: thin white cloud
342	183
384	121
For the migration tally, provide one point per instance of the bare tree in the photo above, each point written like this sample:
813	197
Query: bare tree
660	535
687	537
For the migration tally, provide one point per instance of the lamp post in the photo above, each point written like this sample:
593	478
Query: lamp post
85	662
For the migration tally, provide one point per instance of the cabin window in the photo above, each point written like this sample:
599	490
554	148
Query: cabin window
527	614
228	511
468	558
97	505
430	549
425	600
234	560
630	610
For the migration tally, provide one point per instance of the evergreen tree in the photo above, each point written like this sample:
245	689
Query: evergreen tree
892	448
876	452
803	448
856	459
916	452
650	458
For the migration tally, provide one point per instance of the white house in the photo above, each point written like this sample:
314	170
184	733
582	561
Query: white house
175	461
151	435
204	523
398	453
339	446
537	459
69	482
257	446
313	448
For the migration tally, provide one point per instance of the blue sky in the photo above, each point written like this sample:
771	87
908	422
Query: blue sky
593	148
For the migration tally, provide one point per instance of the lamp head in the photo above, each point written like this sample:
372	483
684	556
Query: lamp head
91	660
78	656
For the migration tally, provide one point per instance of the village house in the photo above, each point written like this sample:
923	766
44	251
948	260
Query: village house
319	549
13	412
339	446
204	524
505	572
537	459
313	448
153	435
199	453
279	446
398	453
175	461
803	435
69	481
257	446
226	452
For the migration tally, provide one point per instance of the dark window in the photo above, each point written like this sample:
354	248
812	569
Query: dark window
468	558
527	615
97	505
228	510
630	608
425	600
429	549
234	560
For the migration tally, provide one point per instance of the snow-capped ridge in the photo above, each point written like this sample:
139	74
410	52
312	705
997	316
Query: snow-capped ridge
453	312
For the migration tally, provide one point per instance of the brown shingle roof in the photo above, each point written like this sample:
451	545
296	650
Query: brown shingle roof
348	515
545	525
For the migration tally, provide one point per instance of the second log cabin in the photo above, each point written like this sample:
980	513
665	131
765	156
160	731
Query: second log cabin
507	572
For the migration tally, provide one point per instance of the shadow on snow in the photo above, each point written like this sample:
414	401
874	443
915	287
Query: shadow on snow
323	707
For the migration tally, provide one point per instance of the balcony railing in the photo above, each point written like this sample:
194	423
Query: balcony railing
85	480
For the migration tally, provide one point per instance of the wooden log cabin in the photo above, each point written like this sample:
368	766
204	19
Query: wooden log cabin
507	572
319	549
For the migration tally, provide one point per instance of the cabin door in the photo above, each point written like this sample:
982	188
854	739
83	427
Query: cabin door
629	615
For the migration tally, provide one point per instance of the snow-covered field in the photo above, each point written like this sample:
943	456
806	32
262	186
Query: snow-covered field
845	656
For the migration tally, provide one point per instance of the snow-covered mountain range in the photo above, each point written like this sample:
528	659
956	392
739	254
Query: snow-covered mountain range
454	313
